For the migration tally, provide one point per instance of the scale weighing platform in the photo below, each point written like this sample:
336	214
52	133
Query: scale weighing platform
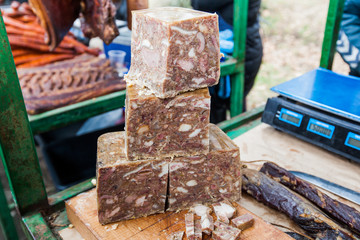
320	107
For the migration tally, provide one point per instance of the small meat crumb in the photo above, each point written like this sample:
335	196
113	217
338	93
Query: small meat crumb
93	181
71	226
176	236
112	227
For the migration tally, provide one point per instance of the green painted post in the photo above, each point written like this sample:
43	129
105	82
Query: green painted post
20	159
336	8
6	221
237	81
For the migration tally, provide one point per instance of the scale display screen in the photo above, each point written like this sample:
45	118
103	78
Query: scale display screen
353	140
290	117
320	128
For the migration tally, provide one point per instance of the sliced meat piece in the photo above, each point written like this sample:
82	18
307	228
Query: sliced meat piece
228	209
198	232
224	211
220	213
220	226
207	224
190	226
244	221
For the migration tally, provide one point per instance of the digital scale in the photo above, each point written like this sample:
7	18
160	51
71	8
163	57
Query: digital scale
320	107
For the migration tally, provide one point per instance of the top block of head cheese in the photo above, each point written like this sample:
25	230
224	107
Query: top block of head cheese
174	50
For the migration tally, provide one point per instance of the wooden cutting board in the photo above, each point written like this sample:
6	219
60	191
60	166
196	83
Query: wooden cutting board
82	213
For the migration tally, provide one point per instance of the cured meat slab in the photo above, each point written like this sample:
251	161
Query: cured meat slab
183	55
126	189
82	213
158	128
207	178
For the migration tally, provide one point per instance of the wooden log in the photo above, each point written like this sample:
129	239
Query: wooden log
82	213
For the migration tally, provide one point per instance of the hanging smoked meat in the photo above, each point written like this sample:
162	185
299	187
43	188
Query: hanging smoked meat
57	17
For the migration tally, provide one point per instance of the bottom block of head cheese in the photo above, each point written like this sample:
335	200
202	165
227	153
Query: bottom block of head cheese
127	189
206	178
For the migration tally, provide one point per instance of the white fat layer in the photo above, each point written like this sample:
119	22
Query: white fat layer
215	142
164	170
184	127
143	129
183	31
198	80
222	190
205	222
220	213
134	105
149	143
194	133
191	52
140	201
200	210
186	65
191	183
146	43
181	189
113	212
228	210
136	170
165	42
205	142
203	28
176	165
183	104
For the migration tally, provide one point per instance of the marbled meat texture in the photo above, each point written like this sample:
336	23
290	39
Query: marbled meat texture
174	50
127	189
206	178
158	128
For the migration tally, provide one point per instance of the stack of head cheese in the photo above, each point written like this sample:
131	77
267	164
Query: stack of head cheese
169	157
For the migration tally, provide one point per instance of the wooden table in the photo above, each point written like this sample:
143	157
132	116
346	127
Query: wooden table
266	143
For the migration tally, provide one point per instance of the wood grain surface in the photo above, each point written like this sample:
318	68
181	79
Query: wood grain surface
82	213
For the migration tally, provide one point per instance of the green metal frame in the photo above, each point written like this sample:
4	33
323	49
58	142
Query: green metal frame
6	222
333	20
19	156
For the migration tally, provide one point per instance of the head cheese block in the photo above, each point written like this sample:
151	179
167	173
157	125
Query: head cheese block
125	189
131	189
174	50
158	128
206	178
